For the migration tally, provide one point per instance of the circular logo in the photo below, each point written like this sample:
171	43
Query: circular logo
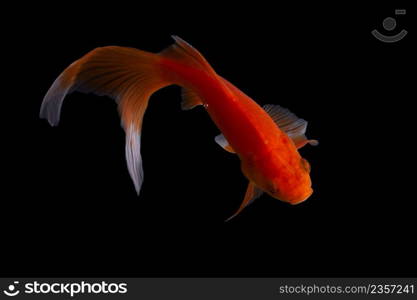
12	290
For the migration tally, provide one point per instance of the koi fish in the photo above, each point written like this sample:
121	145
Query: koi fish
265	139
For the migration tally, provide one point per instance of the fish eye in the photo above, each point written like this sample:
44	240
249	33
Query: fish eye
305	165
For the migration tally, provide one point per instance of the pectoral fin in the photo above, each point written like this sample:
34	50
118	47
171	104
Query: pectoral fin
301	141
252	193
221	140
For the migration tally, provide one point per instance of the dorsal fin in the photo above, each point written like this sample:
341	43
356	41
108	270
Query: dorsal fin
292	125
186	54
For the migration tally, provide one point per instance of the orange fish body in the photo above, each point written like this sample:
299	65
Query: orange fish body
269	156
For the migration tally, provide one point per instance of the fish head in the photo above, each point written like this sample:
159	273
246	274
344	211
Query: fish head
285	181
291	192
292	183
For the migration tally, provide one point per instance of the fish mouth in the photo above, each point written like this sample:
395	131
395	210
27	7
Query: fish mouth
303	198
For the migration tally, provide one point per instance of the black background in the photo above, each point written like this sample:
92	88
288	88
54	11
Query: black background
69	207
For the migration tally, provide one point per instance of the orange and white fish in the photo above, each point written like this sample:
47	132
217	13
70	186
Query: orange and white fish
265	139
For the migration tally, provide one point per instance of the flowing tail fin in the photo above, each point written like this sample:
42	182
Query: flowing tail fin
130	76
